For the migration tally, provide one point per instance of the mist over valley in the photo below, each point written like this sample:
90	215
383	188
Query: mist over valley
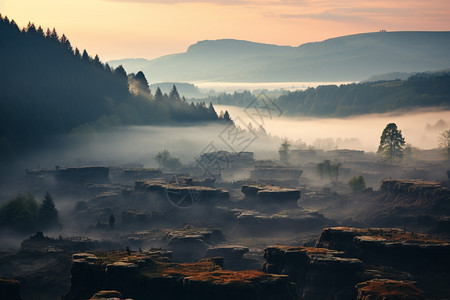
234	170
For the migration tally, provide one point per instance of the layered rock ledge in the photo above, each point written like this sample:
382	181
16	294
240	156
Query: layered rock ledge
144	275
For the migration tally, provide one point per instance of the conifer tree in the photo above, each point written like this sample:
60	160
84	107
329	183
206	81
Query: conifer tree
48	215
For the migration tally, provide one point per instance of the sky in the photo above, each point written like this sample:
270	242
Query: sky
116	29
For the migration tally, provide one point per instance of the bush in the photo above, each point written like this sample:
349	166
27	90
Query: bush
24	214
20	213
357	184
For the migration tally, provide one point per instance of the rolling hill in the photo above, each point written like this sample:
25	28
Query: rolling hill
348	58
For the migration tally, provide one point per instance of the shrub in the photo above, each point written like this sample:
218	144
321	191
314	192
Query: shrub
20	213
357	184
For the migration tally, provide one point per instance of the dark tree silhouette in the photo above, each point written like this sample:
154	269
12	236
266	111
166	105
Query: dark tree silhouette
174	96
48	215
357	184
143	83
226	116
41	76
20	213
158	95
391	143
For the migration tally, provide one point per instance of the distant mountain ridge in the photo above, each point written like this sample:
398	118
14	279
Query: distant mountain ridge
348	58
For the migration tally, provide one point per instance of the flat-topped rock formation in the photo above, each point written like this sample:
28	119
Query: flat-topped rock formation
385	289
181	195
425	257
284	221
82	175
271	194
234	257
358	241
191	243
144	275
417	193
319	273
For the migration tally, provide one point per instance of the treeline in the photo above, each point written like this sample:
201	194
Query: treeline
25	214
47	87
419	91
241	99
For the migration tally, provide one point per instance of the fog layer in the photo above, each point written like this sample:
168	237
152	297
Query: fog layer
420	128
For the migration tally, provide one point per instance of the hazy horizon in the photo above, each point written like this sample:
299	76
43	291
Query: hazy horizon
144	30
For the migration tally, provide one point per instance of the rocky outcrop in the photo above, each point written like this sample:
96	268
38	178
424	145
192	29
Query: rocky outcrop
319	273
385	289
39	244
416	193
191	243
389	245
291	220
150	275
233	256
425	257
181	195
82	175
9	289
269	194
228	252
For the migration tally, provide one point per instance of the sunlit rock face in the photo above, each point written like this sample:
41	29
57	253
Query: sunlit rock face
388	289
144	275
412	256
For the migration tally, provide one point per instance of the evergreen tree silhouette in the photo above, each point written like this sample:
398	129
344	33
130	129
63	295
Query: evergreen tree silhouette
174	96
48	215
158	95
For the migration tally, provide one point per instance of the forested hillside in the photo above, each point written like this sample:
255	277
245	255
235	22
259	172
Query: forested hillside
419	91
422	90
47	87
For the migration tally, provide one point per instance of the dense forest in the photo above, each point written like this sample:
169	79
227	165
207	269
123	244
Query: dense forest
418	91
47	87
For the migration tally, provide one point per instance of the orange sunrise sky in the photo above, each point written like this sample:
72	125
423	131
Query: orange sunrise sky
116	29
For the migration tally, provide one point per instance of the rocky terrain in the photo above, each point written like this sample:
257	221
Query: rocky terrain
145	275
136	232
